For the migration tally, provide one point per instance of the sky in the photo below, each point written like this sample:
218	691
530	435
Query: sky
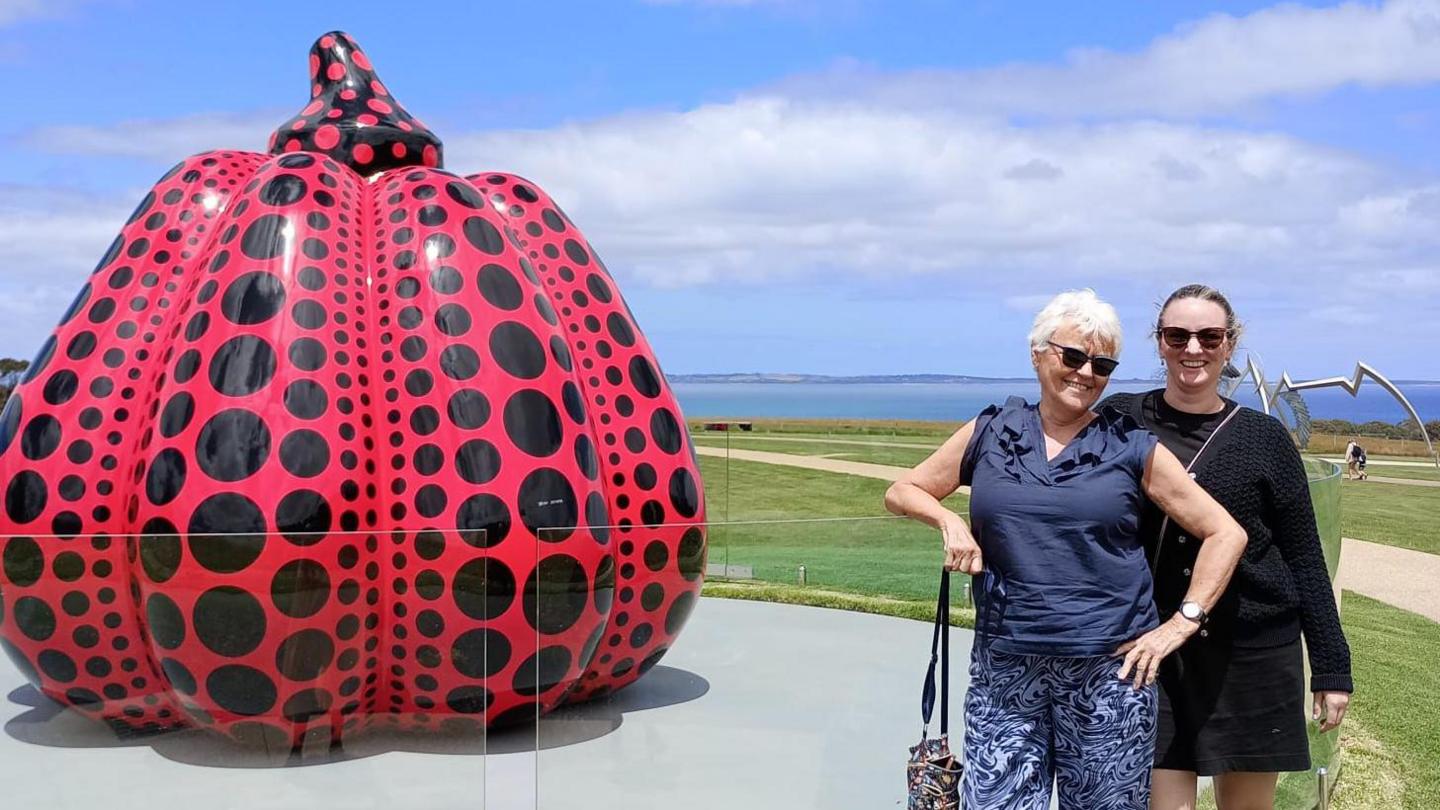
819	186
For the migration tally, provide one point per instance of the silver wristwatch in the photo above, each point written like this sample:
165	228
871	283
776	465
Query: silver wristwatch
1192	611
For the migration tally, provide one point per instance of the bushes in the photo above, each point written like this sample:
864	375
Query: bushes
1406	429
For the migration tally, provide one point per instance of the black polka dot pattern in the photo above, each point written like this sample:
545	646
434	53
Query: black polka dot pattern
352	118
311	451
639	448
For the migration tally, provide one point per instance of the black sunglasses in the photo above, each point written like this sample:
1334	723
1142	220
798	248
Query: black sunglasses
1075	358
1177	338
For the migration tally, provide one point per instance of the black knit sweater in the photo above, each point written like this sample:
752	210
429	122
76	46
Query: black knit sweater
1281	586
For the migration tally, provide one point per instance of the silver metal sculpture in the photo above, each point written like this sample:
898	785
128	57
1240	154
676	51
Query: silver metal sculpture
1287	391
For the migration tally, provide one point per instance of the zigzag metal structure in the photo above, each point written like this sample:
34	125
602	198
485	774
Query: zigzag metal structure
1351	384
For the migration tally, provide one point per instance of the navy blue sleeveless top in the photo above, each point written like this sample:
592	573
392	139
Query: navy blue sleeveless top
1065	571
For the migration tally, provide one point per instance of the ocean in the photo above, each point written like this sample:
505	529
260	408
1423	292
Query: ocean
959	401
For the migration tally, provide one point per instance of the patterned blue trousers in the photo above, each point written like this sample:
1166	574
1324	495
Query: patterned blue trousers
1030	719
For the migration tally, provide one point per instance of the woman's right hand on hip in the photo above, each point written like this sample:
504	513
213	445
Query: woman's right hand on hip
962	553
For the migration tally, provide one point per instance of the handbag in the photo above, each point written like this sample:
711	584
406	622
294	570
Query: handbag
933	773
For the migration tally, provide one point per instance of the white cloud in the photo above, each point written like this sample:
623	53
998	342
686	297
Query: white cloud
766	188
49	242
1344	315
161	141
15	11
807	7
1028	304
44	231
1219	64
876	188
1034	169
731	3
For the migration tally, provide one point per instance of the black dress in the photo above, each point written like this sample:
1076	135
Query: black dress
1233	698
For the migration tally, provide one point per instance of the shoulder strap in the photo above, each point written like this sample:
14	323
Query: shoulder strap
1165	523
1235	411
939	650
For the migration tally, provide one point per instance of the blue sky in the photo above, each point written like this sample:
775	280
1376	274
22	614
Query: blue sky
827	186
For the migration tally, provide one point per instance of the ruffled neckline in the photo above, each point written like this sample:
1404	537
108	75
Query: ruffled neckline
1020	442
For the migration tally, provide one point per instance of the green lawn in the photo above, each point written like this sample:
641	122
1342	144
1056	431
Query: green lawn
1394	514
1420	473
1396	684
1375	457
1389	740
1426	473
835	525
871	453
859	558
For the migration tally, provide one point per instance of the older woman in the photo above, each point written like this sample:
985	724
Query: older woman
1062	588
1232	701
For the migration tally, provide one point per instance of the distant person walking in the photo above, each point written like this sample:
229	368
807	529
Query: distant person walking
1062	588
1352	459
1232	701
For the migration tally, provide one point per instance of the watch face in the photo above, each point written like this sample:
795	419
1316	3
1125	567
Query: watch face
1190	610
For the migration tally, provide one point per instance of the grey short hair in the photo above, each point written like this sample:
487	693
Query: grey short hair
1082	309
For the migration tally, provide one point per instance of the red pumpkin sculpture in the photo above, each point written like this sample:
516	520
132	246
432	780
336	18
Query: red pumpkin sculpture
333	436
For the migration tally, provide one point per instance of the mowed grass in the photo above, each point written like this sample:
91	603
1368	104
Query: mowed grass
1415	473
848	449
1393	514
860	559
780	518
1396	683
877	428
1390	741
1426	473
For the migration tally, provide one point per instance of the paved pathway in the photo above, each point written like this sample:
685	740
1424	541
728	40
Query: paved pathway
837	465
1374	463
1400	577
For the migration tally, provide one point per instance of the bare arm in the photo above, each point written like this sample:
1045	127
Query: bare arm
918	492
1168	484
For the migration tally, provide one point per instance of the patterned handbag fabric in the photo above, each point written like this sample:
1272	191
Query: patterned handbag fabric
932	776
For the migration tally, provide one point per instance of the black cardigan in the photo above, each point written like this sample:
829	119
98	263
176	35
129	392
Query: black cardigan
1281	586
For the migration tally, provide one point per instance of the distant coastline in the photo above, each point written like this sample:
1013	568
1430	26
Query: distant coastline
858	379
873	379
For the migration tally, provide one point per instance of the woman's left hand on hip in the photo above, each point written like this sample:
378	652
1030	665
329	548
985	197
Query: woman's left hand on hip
1329	708
1143	655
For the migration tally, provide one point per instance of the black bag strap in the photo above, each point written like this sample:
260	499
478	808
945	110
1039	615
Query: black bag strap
939	651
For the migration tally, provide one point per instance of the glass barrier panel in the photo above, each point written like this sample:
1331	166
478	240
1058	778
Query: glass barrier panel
1301	790
302	668
509	644
308	666
754	695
